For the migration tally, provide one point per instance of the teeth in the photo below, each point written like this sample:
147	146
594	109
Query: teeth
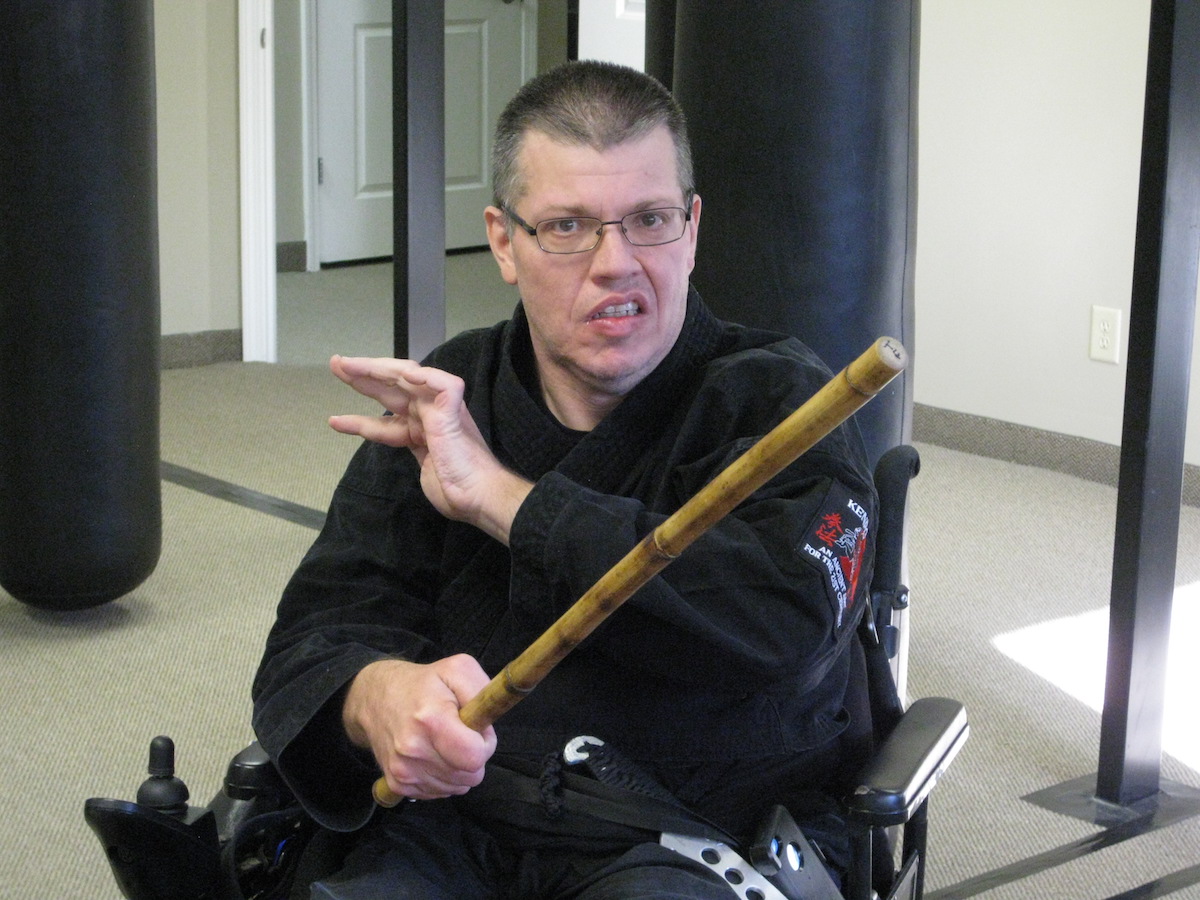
625	309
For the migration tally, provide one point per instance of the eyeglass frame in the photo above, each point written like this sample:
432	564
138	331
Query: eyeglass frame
532	230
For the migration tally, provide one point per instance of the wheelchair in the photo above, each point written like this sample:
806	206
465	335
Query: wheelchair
254	842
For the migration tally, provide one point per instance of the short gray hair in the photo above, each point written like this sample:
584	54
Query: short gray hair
589	103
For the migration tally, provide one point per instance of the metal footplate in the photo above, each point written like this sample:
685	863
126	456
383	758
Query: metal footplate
788	868
783	864
742	878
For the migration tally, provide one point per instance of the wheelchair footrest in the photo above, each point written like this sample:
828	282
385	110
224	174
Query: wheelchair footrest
783	865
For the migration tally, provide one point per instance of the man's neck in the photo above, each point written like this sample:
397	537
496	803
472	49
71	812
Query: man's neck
576	410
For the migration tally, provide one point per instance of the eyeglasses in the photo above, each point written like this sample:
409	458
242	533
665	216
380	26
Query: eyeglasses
579	234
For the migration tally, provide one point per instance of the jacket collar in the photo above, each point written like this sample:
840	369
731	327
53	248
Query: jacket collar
529	438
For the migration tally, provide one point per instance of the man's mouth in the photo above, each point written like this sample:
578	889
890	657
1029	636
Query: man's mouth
624	309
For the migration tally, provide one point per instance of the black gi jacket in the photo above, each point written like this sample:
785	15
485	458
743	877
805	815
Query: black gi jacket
734	653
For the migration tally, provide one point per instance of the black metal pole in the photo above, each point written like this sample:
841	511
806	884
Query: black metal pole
660	40
419	166
1162	314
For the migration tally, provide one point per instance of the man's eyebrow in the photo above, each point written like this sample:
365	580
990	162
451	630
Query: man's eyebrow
575	212
666	203
569	212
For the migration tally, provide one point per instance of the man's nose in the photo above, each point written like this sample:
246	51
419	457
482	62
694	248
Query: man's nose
613	251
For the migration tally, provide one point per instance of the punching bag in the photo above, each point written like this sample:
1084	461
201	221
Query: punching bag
802	118
80	505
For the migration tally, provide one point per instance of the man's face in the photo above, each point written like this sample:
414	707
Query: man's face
603	319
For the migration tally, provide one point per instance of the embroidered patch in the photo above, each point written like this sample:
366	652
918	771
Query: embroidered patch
837	539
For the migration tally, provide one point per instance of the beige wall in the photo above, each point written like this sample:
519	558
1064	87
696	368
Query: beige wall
1030	138
195	48
289	123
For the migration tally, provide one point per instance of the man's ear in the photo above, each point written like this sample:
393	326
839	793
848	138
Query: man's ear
693	232
501	243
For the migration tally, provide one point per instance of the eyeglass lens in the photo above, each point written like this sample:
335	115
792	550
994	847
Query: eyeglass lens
645	228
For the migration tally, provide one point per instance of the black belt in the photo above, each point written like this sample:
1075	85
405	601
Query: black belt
608	790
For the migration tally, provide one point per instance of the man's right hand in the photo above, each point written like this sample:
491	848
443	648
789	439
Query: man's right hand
460	475
407	714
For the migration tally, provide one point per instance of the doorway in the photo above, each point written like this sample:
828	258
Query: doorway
485	64
468	26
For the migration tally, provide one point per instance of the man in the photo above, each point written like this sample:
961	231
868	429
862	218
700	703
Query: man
515	466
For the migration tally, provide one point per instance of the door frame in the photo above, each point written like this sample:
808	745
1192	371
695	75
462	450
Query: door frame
256	178
308	132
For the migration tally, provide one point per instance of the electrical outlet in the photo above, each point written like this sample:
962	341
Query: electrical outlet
1105	344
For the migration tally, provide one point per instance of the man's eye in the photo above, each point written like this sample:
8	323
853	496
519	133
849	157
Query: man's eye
563	227
651	219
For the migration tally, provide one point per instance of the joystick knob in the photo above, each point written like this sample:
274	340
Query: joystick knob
162	790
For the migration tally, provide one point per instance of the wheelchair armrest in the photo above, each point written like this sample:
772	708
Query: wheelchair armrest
908	764
252	787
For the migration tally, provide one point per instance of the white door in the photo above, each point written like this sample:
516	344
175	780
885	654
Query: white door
490	51
354	129
488	58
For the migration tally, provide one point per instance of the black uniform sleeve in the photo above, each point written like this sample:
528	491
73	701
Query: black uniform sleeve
362	593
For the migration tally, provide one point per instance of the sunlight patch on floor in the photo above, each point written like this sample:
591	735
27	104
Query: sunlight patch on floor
1070	653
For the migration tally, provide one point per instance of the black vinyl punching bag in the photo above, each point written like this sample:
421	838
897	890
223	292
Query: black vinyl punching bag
80	504
802	117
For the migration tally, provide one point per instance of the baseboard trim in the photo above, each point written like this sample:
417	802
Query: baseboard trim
201	348
980	436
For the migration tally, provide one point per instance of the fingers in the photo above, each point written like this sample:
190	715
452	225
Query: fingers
386	381
380	369
408	714
407	390
430	778
439	760
394	430
383	380
380	377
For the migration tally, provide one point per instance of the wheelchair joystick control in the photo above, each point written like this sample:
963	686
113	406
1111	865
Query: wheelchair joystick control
162	790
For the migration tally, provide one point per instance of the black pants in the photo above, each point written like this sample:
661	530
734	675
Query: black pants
433	851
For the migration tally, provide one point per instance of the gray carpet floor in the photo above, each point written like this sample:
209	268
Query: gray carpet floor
1009	566
348	310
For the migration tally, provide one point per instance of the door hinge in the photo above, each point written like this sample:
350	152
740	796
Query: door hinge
320	170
